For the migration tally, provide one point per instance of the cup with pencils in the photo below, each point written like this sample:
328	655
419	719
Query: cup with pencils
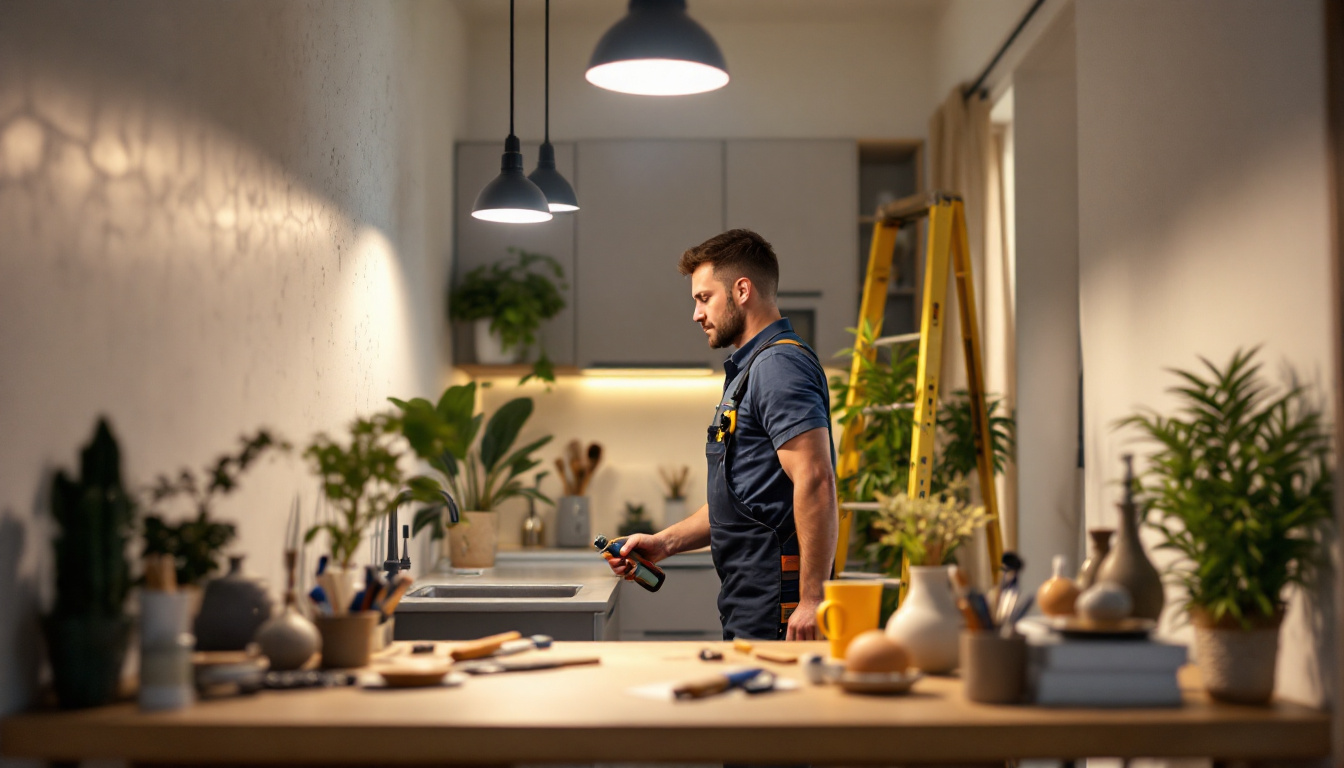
993	653
355	623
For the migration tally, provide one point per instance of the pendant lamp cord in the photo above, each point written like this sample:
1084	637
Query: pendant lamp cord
510	67
548	71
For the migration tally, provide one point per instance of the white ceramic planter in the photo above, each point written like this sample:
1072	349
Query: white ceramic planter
674	511
489	349
928	623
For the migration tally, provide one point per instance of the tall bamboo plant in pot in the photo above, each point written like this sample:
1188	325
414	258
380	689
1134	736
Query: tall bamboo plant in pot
480	477
1240	481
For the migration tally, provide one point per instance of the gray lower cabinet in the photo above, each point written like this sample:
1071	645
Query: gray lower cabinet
685	608
644	203
485	242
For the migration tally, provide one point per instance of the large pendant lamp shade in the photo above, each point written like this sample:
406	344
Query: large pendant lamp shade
657	50
511	198
560	196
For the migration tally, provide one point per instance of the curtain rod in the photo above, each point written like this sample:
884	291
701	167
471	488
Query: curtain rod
978	85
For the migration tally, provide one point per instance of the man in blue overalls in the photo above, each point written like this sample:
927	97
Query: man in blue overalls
771	521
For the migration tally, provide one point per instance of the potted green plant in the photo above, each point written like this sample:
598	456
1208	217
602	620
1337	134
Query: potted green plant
478	478
1241	483
195	543
363	480
635	521
884	441
87	630
508	301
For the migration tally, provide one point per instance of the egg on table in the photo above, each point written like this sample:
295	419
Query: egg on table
874	651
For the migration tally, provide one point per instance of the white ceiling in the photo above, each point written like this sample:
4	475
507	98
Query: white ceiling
711	11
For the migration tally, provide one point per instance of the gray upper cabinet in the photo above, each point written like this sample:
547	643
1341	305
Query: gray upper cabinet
484	242
644	203
802	195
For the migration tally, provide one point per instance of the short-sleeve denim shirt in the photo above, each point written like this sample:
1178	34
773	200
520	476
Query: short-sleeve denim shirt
786	396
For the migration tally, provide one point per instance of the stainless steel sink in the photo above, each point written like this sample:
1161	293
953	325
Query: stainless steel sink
495	591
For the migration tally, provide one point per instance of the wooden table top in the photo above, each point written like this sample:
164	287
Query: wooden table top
588	714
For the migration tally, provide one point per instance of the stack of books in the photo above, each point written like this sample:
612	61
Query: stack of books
1103	673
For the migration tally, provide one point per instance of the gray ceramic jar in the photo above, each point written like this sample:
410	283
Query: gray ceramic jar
232	608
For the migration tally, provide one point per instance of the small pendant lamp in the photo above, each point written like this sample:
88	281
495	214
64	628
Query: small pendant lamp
657	50
559	194
511	197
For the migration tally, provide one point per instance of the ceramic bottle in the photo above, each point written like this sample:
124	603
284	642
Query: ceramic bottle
1101	546
1127	564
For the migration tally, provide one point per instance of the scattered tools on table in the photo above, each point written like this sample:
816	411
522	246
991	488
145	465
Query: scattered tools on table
511	647
493	666
754	680
711	654
483	647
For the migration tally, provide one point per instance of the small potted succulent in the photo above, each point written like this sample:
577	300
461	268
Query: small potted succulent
507	301
479	478
1240	481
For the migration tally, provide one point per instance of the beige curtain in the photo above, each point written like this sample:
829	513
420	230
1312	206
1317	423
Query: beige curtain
966	158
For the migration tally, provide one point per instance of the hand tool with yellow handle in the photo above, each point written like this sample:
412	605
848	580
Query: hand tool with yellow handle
485	646
709	686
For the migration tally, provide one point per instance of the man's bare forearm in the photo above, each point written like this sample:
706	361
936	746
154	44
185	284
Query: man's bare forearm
691	533
815	518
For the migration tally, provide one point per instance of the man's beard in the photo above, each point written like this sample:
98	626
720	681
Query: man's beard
734	323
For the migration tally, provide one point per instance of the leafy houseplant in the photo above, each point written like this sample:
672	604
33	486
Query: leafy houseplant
364	481
884	442
87	629
195	544
478	478
515	298
1241	482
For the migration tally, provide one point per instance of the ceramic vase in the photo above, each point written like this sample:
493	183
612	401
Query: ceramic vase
1128	565
927	623
472	543
489	348
288	639
1237	664
1101	546
232	608
674	511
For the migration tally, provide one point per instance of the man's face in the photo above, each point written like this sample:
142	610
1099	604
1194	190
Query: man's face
715	310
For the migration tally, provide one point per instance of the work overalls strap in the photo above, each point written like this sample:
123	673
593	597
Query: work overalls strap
757	560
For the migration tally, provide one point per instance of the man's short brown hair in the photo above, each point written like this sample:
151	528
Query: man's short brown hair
736	253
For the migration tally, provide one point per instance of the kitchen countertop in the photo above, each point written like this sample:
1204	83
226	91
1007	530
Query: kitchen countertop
589	714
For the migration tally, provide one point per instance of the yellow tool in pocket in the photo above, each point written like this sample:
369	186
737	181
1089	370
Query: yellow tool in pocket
727	424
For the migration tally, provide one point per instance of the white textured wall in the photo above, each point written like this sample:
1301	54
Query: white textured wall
1203	197
216	216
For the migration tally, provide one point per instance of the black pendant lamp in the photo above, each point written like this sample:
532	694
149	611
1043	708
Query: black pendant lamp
511	198
559	194
657	50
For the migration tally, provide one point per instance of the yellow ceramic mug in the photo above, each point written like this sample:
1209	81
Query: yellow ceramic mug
850	607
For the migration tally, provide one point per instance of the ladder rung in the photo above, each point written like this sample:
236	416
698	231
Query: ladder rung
889	408
903	338
861	506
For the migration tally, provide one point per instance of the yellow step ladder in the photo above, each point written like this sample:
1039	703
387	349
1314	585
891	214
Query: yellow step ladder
947	244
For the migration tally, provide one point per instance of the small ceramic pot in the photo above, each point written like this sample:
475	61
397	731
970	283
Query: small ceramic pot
489	347
233	608
347	640
1237	664
472	543
288	640
993	668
